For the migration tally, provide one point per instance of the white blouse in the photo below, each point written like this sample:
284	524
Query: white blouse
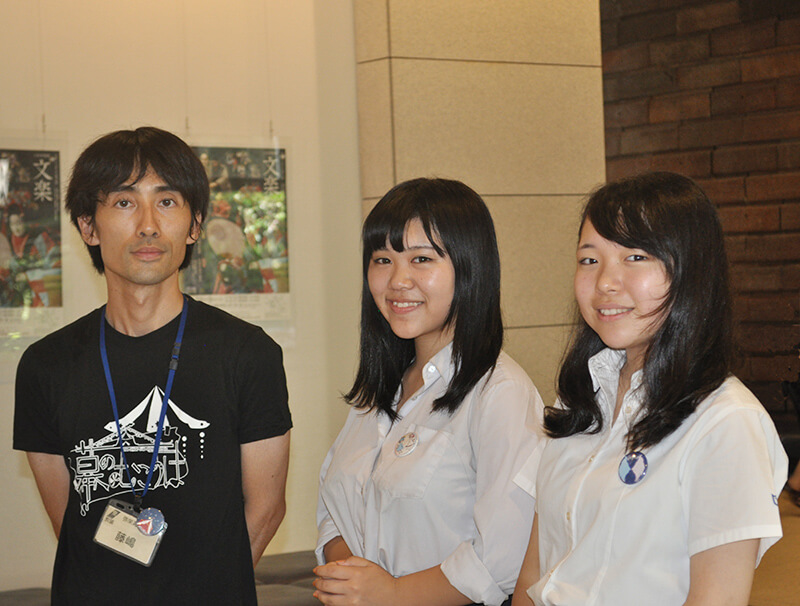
714	480
444	496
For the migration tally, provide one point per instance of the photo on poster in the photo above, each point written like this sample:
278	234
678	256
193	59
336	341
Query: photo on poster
30	229
243	247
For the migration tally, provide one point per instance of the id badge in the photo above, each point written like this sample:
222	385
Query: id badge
119	532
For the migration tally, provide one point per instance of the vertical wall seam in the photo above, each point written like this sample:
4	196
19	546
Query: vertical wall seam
41	69
391	88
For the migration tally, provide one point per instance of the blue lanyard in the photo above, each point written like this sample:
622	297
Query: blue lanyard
173	365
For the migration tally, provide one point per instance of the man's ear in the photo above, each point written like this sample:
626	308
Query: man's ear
194	231
86	227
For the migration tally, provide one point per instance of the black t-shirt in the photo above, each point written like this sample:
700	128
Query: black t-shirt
229	389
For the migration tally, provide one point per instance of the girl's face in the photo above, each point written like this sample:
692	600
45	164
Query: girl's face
413	289
619	291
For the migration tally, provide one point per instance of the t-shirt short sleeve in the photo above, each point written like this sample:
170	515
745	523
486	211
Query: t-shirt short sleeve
263	398
35	423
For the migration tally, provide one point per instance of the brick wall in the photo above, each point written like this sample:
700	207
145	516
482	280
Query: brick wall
711	89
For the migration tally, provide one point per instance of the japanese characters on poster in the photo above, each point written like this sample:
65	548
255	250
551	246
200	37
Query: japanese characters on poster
30	240
241	261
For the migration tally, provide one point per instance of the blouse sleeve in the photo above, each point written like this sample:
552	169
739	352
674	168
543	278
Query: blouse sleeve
326	529
504	430
732	477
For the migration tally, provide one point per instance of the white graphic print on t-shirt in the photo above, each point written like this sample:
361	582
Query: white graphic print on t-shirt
98	464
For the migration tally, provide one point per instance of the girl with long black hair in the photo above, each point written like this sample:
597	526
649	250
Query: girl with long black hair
417	503
660	482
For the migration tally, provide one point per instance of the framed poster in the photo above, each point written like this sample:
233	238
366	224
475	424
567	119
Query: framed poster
241	261
30	240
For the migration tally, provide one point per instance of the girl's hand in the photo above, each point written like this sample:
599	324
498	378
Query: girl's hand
354	582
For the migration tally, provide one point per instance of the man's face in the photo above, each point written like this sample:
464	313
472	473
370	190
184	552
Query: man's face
17	225
142	229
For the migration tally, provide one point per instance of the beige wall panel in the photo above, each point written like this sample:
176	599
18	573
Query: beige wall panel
375	128
536	237
556	31
538	350
113	66
341	210
504	129
372	29
21	65
367	204
228	91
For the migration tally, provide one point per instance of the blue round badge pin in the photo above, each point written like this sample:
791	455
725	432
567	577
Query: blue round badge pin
151	522
633	467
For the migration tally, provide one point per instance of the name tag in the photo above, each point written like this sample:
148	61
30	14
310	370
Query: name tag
118	532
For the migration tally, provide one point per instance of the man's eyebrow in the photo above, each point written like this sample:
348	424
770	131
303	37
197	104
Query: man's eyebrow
132	187
119	188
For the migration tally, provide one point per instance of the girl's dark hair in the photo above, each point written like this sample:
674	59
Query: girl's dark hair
113	158
669	217
459	226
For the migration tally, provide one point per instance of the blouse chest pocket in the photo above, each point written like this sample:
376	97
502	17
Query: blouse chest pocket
409	463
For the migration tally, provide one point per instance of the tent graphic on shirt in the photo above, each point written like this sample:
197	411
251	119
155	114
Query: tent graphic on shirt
98	464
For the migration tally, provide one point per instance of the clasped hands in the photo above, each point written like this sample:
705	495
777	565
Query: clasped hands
354	582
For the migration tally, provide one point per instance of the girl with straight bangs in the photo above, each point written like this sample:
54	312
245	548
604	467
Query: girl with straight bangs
417	503
665	468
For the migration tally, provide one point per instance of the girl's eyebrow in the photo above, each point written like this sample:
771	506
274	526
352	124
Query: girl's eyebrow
420	246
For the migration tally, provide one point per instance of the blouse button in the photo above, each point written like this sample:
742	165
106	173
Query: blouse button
431	368
568	516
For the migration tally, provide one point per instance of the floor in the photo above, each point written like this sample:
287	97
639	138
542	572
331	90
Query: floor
777	580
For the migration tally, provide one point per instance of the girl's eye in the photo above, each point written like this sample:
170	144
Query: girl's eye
422	259
380	260
637	258
586	261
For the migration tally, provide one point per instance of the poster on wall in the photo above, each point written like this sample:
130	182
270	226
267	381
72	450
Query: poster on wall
30	241
241	261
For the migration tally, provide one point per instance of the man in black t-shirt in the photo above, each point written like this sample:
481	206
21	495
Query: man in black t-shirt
155	408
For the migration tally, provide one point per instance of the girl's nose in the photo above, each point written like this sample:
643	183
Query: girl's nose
609	279
401	277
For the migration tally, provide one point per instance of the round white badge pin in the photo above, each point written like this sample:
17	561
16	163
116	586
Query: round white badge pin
406	445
